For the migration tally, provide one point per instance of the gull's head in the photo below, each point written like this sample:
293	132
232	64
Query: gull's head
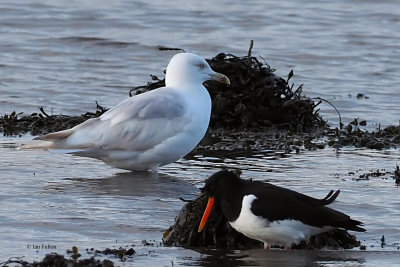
187	68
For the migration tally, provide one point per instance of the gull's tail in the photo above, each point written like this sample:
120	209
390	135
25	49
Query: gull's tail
49	141
58	140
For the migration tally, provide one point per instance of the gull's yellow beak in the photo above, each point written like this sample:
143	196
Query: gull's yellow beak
219	78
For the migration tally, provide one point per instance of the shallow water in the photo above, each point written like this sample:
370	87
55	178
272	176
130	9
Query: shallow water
65	56
63	200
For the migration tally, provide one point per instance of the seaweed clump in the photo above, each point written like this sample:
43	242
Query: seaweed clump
353	135
54	259
42	123
258	98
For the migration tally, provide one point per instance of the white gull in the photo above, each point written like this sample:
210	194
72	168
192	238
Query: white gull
148	130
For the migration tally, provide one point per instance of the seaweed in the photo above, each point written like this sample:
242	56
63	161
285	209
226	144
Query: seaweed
42	123
55	259
258	98
353	135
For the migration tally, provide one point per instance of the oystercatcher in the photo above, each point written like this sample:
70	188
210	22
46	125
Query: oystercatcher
272	214
148	130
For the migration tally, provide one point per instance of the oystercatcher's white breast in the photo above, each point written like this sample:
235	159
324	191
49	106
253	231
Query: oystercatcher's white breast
282	232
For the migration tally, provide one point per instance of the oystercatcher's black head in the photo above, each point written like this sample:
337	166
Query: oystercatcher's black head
220	183
222	187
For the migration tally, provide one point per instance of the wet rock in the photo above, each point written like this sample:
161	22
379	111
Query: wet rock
397	175
362	96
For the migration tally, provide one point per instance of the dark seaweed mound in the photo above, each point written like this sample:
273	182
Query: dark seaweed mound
258	98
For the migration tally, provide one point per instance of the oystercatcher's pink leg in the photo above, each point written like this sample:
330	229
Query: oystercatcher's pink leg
266	246
288	247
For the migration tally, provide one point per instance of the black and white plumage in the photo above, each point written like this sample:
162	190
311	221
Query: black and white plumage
272	214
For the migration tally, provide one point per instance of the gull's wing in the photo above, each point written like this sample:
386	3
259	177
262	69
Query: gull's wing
137	123
162	103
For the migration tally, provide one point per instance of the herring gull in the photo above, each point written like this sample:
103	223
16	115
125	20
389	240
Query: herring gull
148	130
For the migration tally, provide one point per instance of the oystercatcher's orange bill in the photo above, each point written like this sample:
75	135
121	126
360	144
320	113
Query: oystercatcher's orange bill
207	213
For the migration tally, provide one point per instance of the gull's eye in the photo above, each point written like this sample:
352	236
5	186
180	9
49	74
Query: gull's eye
201	66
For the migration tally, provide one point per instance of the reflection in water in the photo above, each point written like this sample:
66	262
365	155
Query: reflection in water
135	184
224	258
123	205
260	257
